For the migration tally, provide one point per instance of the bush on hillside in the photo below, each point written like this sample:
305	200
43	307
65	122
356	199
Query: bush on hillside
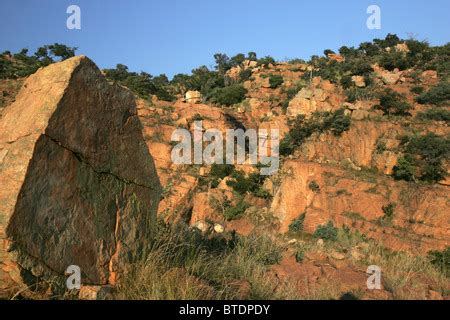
437	95
435	114
393	103
301	129
228	95
275	80
423	159
326	232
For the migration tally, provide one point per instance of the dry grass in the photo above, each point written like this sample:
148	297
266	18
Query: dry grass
183	264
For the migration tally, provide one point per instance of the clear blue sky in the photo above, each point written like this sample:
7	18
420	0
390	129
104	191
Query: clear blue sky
174	36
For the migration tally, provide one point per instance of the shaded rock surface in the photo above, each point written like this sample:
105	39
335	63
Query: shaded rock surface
79	184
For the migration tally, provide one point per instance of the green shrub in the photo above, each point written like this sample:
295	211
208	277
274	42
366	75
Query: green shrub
336	122
245	75
252	184
389	211
143	84
299	256
393	103
229	95
314	186
423	158
266	61
441	260
346	82
437	95
275	80
417	89
22	65
359	94
235	212
297	225
326	232
221	170
435	114
404	170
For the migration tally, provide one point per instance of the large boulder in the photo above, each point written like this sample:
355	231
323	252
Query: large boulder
79	186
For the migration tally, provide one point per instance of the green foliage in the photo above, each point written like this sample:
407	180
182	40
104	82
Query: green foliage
393	103
326	232
314	186
252	184
435	114
275	80
235	212
297	225
357	94
441	260
266	61
336	122
245	75
437	95
389	211
423	159
22	65
228	95
143	84
404	170
299	256
217	173
417	89
202	79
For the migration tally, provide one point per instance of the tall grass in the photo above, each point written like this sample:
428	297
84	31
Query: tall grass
183	264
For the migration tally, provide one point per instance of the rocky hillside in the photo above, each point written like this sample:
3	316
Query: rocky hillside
363	180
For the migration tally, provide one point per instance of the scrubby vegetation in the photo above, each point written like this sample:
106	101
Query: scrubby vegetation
393	103
359	61
182	264
326	232
301	129
437	95
275	80
441	259
143	83
297	225
252	184
228	95
435	114
423	160
21	64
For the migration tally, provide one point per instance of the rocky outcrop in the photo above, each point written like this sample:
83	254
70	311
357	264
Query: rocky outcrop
322	96
79	186
193	97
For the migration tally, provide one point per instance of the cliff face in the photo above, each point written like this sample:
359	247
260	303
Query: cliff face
353	170
357	199
79	186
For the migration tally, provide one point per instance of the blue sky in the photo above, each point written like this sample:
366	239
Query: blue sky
175	36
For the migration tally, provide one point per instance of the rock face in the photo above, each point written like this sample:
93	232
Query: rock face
79	186
357	201
323	97
193	97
